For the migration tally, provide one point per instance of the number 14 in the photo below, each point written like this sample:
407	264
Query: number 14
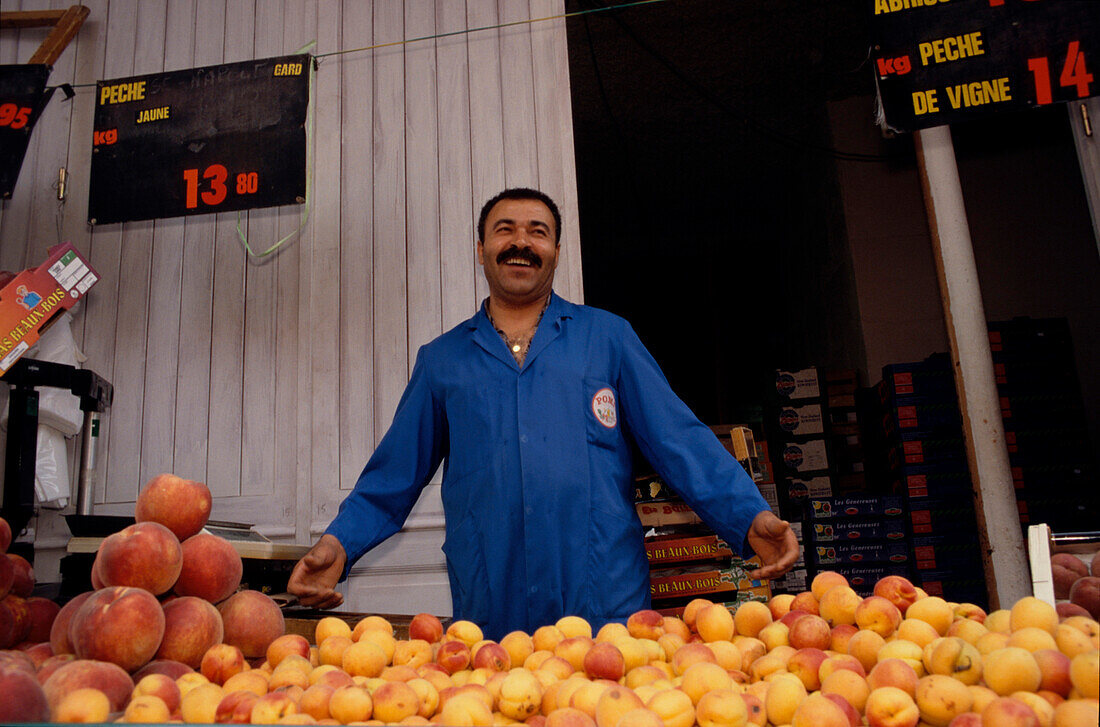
1073	74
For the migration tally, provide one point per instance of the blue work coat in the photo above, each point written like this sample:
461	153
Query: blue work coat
537	478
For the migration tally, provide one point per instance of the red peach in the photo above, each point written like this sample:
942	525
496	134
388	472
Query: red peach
427	627
287	645
21	614
1054	666
38	652
191	626
252	621
1086	594
898	590
43	611
810	632
793	615
23	698
159	685
1008	712
23	576
49	666
806	664
7	625
646	624
7	575
59	631
173	669
604	661
236	707
222	661
143	555
453	655
181	505
108	678
118	624
5	535
492	656
212	568
1065	609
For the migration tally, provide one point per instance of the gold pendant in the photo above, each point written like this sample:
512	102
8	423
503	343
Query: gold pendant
515	348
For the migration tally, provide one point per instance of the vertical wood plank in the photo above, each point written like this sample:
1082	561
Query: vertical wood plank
458	261
223	475
390	290
422	179
554	118
517	98
356	422
166	276
101	312
486	112
131	342
258	374
89	45
325	270
192	413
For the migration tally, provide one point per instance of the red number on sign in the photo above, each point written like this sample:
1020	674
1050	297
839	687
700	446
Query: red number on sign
1074	73
248	183
14	116
217	174
1040	68
191	177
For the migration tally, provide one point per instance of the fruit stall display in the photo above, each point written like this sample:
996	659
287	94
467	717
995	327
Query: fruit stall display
168	636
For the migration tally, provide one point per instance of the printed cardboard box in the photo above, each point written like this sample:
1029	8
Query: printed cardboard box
34	298
703	580
664	550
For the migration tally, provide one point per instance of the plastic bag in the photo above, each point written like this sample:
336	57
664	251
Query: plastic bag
51	474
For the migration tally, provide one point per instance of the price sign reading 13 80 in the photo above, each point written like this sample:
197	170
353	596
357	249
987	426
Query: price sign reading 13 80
212	139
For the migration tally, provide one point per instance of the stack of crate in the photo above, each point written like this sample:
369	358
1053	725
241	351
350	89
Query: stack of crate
925	460
862	537
797	440
844	431
1045	424
687	559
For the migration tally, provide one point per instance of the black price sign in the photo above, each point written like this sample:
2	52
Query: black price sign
23	95
943	61
211	139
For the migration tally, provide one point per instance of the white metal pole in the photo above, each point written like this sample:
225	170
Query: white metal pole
995	498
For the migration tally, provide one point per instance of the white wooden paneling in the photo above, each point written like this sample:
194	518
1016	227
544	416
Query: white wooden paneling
273	379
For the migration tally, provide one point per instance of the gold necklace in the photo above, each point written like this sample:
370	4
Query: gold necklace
521	343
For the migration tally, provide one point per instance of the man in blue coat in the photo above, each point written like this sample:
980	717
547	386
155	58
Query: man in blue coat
531	405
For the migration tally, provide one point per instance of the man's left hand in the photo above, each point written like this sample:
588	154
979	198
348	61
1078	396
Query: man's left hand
775	543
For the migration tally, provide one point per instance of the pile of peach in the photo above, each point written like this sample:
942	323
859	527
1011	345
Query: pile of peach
823	658
1076	585
165	593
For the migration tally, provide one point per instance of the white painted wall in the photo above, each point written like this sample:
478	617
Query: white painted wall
272	379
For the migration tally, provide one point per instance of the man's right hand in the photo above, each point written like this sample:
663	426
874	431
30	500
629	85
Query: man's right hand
314	578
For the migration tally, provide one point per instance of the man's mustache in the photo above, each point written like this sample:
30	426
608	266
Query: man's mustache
522	253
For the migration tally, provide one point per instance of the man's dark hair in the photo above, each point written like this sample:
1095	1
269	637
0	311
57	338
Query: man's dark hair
520	193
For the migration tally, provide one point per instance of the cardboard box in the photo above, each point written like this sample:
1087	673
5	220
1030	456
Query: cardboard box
955	552
936	516
668	549
858	529
801	421
794	581
32	300
792	385
934	483
863	577
769	492
667	512
928	450
703	580
808	456
810	488
856	506
859	552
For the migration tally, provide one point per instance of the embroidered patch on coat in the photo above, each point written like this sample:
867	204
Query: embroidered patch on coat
603	406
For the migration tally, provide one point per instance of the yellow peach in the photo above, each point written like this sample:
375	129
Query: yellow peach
1033	612
721	708
934	611
674	707
1011	669
941	698
1084	672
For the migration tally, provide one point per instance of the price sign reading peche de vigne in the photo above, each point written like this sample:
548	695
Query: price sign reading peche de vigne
212	139
943	61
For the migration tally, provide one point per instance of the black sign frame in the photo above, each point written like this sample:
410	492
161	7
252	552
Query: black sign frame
211	139
23	96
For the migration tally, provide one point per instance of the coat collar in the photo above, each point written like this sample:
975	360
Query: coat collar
485	336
